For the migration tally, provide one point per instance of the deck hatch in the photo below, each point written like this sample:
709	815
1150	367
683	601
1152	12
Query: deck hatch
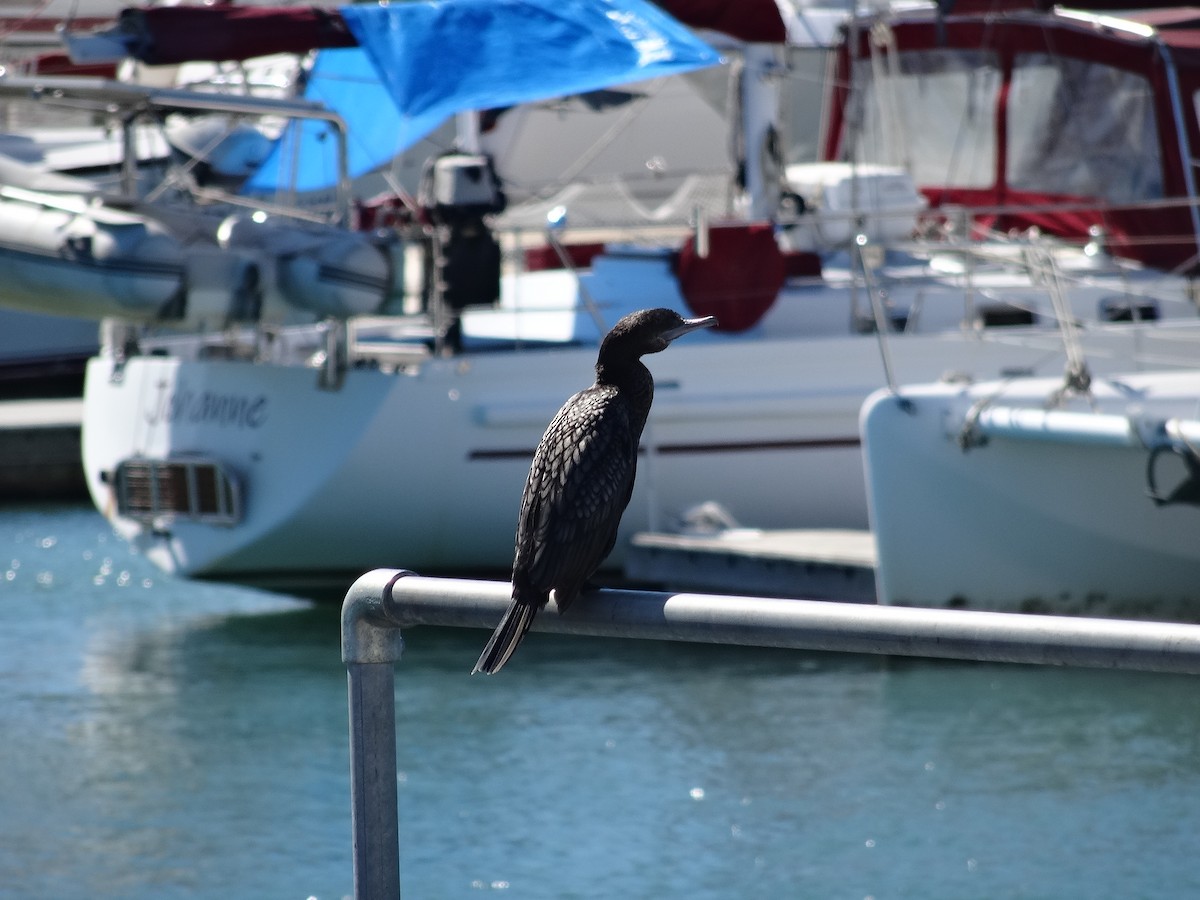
199	489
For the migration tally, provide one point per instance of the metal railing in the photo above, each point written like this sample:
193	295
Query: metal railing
384	601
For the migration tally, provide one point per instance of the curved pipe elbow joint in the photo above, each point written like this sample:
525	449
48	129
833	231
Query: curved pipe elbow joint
370	625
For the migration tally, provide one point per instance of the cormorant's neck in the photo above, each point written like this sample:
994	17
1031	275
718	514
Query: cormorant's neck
635	384
623	372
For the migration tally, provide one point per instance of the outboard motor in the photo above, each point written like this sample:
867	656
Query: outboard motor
457	191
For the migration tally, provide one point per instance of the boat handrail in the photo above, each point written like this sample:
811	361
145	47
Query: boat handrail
985	420
137	100
1064	426
952	237
103	93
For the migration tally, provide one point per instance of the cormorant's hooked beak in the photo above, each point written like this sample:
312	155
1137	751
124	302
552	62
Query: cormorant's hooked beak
688	325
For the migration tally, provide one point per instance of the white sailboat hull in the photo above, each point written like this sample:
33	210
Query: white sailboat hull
425	470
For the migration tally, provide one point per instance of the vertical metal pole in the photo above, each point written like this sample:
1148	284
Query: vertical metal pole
129	156
371	646
1185	150
881	323
374	812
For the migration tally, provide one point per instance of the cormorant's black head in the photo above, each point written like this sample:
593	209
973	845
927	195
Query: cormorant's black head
648	331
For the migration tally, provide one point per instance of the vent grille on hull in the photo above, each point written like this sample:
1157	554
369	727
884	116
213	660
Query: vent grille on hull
202	490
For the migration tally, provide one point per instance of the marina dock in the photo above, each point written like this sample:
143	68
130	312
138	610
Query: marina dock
40	450
828	564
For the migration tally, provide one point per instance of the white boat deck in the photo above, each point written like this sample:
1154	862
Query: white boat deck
827	564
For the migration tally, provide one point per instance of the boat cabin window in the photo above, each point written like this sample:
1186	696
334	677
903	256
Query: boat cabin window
931	112
1082	128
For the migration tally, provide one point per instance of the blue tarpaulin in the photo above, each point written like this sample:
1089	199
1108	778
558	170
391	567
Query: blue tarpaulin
345	82
419	63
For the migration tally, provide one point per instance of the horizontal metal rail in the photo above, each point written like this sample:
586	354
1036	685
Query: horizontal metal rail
383	602
388	599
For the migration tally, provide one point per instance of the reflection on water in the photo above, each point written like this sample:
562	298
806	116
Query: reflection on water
227	726
189	740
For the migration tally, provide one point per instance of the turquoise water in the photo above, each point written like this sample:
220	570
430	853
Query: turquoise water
166	739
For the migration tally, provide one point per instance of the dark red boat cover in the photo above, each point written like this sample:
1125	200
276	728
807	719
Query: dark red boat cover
166	35
757	21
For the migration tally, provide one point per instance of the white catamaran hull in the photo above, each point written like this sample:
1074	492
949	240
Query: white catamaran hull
986	497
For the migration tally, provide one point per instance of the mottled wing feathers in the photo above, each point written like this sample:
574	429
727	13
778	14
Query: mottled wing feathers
579	485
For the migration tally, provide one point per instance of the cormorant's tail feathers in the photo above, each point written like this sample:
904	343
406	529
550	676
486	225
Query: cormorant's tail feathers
508	634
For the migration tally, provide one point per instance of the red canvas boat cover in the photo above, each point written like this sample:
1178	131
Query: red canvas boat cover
167	35
1055	120
757	21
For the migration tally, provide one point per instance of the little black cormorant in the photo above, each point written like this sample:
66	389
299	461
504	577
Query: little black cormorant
582	476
